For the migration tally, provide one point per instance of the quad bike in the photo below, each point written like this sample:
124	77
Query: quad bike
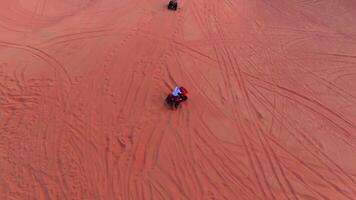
172	5
174	102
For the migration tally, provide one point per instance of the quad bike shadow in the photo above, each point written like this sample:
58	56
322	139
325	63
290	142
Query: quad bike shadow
172	101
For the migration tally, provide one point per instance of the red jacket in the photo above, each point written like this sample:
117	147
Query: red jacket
183	90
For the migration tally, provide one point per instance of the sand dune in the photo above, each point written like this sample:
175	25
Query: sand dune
271	111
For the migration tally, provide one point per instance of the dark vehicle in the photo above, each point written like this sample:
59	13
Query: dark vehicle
172	5
174	102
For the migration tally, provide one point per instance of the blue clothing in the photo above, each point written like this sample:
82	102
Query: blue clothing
176	92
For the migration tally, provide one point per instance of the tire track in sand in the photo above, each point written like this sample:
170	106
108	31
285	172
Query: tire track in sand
50	60
301	161
229	62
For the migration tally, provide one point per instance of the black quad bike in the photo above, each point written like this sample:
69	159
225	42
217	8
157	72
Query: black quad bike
172	5
174	102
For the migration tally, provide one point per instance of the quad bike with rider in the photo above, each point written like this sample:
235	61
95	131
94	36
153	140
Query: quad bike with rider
178	96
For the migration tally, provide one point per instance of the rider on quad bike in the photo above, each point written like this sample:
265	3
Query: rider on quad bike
178	95
172	5
179	91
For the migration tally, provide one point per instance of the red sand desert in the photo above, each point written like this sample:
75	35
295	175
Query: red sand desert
271	113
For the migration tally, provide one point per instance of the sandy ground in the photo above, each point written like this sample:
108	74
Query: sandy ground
271	111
